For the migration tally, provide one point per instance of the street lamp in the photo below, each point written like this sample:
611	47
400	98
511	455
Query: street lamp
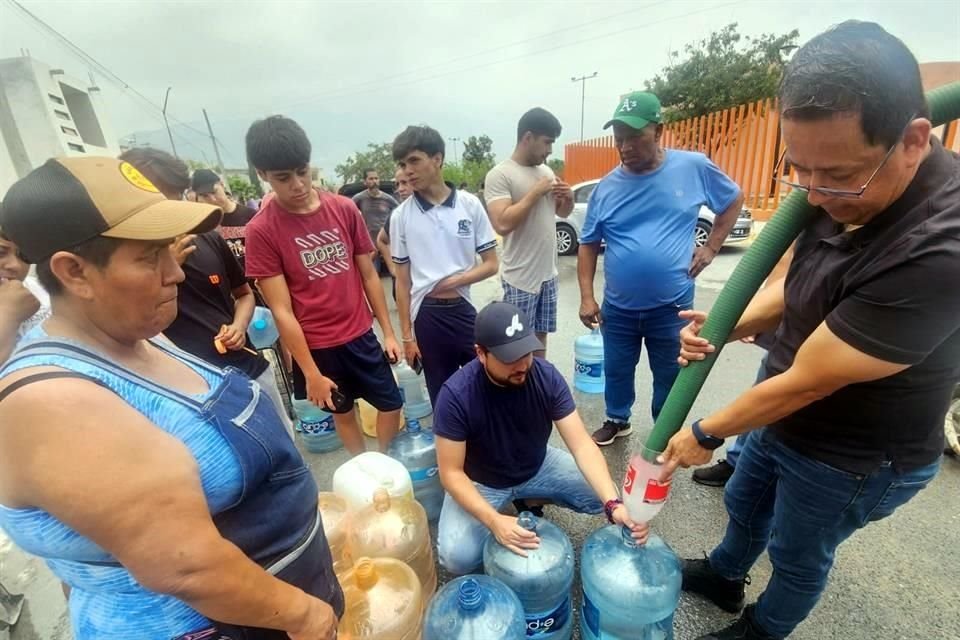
583	96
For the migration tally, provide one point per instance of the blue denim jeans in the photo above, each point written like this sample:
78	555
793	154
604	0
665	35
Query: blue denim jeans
733	451
800	510
624	334
460	536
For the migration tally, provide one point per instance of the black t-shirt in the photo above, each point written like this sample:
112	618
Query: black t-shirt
888	289
232	229
205	302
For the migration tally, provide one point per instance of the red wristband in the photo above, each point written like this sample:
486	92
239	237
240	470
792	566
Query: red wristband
609	506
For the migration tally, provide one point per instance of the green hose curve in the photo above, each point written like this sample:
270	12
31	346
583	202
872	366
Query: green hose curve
790	218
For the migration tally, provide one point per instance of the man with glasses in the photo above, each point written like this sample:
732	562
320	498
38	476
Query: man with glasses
867	346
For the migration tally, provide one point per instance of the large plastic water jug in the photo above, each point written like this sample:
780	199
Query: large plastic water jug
413	390
630	591
588	363
395	528
542	580
262	329
316	427
333	514
356	479
416	450
383	601
474	607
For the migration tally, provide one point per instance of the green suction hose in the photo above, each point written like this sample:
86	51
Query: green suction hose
790	218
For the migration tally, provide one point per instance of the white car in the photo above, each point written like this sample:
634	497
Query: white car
569	229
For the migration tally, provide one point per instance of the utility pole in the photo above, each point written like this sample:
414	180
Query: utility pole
213	139
167	124
454	141
583	97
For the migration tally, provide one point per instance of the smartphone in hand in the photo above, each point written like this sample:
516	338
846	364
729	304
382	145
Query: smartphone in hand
417	365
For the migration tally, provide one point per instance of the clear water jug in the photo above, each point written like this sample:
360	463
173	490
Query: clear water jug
475	608
262	329
630	591
316	427
542	580
395	528
333	514
383	601
413	389
588	363
416	450
356	479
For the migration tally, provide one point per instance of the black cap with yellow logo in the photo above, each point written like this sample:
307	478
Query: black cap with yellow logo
68	201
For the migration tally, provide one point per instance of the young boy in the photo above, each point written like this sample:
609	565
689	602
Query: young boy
311	255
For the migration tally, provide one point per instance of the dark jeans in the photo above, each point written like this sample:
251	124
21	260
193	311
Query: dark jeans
444	330
800	510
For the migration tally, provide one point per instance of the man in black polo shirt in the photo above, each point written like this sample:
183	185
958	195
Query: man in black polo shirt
868	347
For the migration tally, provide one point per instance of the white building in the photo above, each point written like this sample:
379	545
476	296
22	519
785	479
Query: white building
45	113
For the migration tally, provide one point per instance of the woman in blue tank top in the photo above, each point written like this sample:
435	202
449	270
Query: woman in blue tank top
164	492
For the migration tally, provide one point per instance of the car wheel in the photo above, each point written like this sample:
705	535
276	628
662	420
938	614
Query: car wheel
701	233
566	240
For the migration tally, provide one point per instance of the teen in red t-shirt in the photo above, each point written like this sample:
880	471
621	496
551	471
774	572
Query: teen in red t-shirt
310	253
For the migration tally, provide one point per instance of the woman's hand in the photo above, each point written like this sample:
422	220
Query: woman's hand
320	623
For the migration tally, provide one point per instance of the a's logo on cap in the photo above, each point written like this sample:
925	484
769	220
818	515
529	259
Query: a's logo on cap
628	105
515	325
136	178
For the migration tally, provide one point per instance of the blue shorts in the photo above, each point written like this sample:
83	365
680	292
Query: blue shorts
360	370
540	308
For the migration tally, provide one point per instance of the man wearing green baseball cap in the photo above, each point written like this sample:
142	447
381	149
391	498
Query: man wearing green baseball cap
646	211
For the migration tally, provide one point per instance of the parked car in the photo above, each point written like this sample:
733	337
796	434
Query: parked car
569	229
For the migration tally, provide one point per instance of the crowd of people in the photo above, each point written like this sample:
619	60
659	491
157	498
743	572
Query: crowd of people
168	431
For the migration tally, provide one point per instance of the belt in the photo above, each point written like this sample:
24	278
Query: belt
437	302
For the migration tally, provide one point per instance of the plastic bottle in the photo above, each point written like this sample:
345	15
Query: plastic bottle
383	600
316	427
333	514
588	363
630	591
413	390
475	607
542	580
356	479
262	329
643	493
395	528
416	450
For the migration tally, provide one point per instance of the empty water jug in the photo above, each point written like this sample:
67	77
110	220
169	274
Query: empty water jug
416	450
542	580
413	390
383	601
630	591
262	329
333	514
474	608
316	427
395	528
356	479
588	363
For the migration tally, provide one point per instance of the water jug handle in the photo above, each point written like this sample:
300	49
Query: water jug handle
595	331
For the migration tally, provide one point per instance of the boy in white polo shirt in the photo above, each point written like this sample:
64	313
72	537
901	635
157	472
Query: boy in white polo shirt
435	237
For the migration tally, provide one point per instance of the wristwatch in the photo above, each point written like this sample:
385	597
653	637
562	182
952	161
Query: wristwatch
609	506
705	440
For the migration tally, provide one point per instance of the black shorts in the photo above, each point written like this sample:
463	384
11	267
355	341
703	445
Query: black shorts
360	370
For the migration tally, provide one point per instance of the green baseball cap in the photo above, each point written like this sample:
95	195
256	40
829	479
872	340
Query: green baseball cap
637	110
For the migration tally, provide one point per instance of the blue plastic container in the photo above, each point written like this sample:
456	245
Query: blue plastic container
474	608
542	580
630	592
588	363
262	330
416	450
413	390
316	427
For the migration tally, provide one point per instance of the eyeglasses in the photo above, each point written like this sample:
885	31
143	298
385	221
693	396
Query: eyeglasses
842	193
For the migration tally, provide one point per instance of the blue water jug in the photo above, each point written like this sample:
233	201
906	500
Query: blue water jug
588	363
542	580
416	450
262	329
474	608
316	427
413	390
630	591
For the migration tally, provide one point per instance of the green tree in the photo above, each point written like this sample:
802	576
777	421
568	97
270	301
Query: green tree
722	71
377	156
478	150
473	173
241	188
557	165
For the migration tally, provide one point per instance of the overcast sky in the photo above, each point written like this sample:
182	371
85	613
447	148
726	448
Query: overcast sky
355	72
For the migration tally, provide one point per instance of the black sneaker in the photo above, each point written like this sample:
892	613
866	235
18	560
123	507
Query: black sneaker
699	577
521	506
715	476
610	431
744	628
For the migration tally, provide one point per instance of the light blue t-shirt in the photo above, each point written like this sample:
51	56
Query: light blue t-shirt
648	223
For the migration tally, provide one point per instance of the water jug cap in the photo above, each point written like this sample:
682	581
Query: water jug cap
413	425
259	324
469	594
527	520
365	573
381	500
627	536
